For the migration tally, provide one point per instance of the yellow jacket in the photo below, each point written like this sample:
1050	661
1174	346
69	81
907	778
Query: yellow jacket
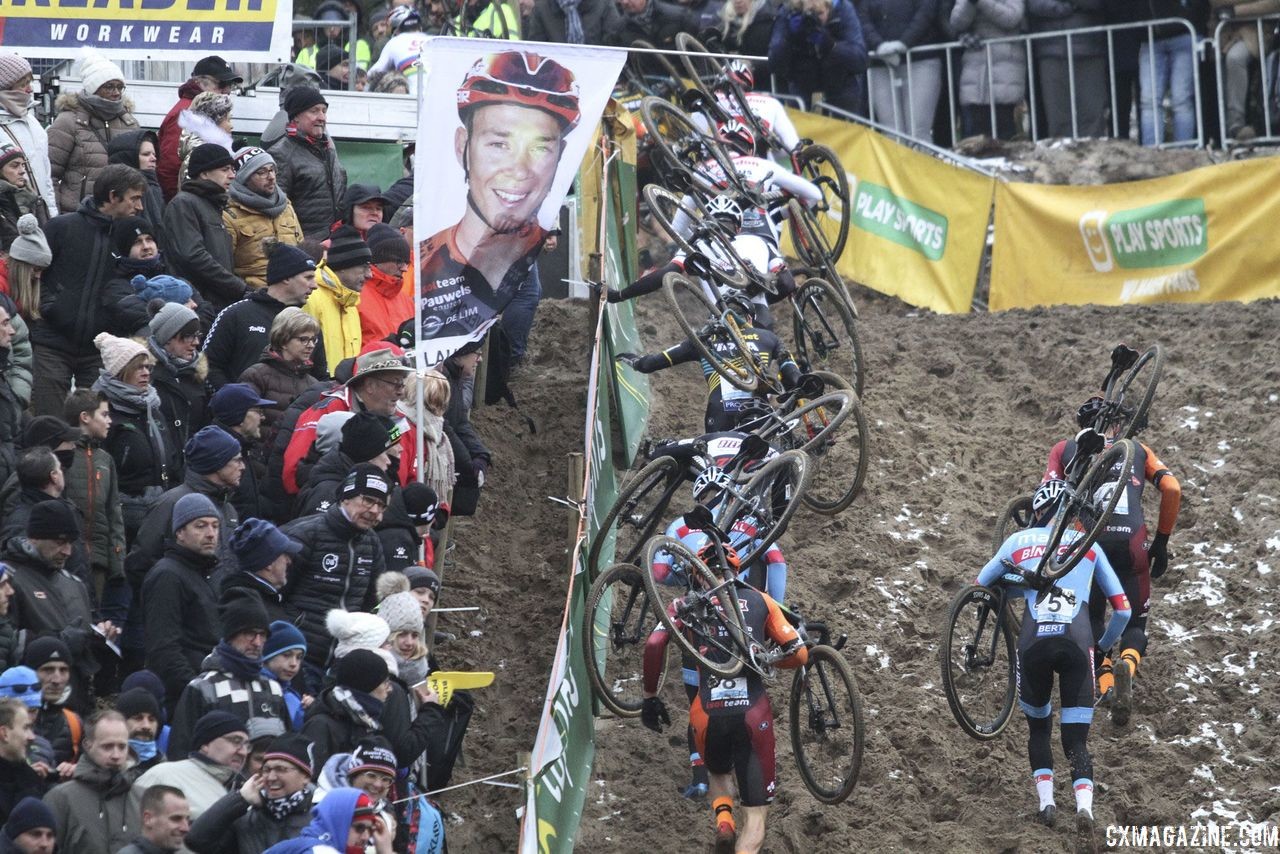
248	228
336	308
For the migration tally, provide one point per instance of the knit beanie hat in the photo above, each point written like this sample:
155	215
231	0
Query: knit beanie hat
296	749
52	519
164	287
125	231
387	244
171	319
283	637
137	701
285	261
242	611
372	754
191	507
355	630
250	160
41	651
9	151
96	70
329	430
347	249
257	543
210	449
12	69
149	682
402	613
366	479
30	246
21	683
299	99
213	725
29	814
208	156
421	503
420	576
367	435
215	105
117	352
361	669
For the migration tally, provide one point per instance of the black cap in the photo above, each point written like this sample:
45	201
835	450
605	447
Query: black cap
365	435
366	479
217	68
48	431
299	99
241	612
329	57
53	519
208	156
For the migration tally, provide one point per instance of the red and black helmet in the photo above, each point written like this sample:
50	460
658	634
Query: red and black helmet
523	79
740	72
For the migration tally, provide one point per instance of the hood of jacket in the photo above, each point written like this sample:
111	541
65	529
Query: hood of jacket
123	148
388	287
89	208
328	280
20	549
201	484
331	818
109	784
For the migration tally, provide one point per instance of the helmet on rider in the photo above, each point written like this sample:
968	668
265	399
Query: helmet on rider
726	210
737	136
707	554
741	305
740	72
404	18
1045	501
1088	412
712	478
522	79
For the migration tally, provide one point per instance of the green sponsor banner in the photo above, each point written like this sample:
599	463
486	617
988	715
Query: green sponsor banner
880	211
1167	234
630	388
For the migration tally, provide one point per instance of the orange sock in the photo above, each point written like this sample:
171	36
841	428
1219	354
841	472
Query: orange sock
722	811
1106	681
1134	658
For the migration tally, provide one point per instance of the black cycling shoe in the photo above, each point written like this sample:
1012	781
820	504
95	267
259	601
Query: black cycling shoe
1047	816
1122	701
1086	840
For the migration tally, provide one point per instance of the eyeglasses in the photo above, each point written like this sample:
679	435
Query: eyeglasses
398	385
370	503
21	689
307	340
236	741
111	87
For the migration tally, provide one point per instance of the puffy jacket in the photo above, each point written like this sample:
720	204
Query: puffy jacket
661	25
78	140
181	611
321	491
25	132
168	163
1050	15
313	179
279	457
383	306
252	829
92	810
335	569
71	306
302	437
336	308
20	361
837	72
275	379
52	722
241	333
17	510
47	601
218	689
183	398
601	22
8	644
123	149
991	19
92	486
400	539
237	583
248	228
148	545
200	245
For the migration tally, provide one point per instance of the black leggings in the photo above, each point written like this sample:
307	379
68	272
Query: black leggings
1075	744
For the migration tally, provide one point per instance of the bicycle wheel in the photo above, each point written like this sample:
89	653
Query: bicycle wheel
1087	508
653	72
688	603
825	331
616	624
1016	516
639	512
1140	383
821	166
684	145
703	70
827	732
977	655
707	239
693	310
763	506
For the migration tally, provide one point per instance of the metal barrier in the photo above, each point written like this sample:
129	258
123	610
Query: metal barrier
1268	62
939	152
898	79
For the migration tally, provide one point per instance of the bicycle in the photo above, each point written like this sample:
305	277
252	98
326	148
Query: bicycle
616	623
1129	370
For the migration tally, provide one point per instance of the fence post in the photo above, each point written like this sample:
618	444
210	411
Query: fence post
442	551
577	474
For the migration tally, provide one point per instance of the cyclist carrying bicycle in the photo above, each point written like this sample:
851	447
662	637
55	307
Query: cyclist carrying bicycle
731	719
1057	638
1124	540
767	109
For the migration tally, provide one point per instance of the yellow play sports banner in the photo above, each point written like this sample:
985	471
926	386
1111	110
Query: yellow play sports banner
918	226
1200	236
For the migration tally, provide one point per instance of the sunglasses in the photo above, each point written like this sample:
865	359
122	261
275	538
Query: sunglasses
21	689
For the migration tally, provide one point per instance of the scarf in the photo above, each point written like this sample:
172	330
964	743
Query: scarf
319	145
239	665
281	808
342	295
16	103
412	670
22	196
102	107
177	367
144	750
272	206
127	397
130	267
572	21
207	190
363	708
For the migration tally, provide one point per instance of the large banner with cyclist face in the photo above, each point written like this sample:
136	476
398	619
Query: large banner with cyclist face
502	131
1201	236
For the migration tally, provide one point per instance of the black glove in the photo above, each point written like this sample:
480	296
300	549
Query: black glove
1158	554
653	714
628	359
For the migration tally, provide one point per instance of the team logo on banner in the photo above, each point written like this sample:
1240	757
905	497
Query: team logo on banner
504	129
1166	234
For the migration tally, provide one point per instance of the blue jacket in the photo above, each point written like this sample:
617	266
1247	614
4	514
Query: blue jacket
330	824
292	699
912	22
831	57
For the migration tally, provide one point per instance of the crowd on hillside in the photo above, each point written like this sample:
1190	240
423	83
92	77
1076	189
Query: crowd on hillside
217	550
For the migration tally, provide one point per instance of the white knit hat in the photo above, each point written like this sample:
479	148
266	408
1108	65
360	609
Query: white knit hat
95	70
402	613
356	630
117	352
30	244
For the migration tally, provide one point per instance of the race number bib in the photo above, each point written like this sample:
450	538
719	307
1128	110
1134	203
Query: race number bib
1103	494
729	692
1056	607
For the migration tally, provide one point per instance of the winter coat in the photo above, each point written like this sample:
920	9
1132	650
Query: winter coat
321	491
275	379
336	308
202	781
92	810
71	305
400	539
17	510
78	140
9	652
18	781
25	132
991	19
279	456
200	247
14	202
52	722
1196	12
837	72
384	305
217	689
168	163
183	396
248	228
333	728
10	419
141	845
241	333
313	179
231	826
336	568
143	468
149	544
93	487
1051	15
665	20
329	827
47	601
20	361
237	583
754	39
601	22
180	607
124	149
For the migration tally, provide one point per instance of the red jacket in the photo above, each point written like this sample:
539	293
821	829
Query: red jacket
304	436
383	306
169	163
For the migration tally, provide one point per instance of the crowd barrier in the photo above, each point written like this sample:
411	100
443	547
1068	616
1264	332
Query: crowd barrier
1266	63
